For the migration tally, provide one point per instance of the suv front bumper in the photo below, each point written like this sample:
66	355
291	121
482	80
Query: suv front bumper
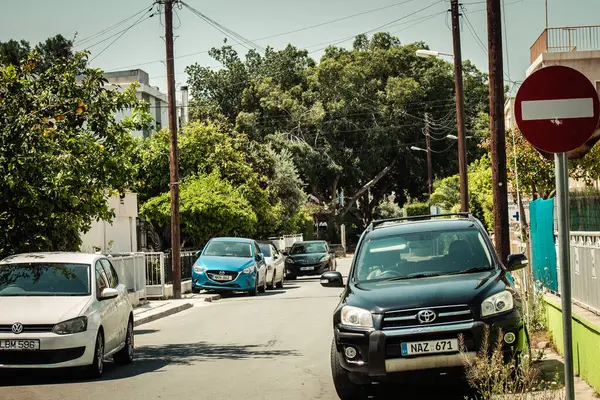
379	350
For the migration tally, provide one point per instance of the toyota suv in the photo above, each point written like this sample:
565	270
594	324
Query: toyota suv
420	293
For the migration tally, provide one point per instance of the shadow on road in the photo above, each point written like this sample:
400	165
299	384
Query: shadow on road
150	359
437	389
144	331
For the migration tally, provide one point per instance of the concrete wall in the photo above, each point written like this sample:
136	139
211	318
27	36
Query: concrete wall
119	235
586	339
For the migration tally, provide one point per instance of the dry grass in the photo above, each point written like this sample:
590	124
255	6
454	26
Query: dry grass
494	378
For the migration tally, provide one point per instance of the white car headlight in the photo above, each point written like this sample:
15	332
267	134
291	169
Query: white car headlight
74	325
498	303
199	268
354	316
248	270
324	258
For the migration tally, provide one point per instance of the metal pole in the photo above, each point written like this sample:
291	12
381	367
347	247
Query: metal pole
460	109
498	135
429	166
564	254
174	162
546	14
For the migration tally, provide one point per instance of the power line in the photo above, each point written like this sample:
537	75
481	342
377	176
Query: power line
102	32
123	32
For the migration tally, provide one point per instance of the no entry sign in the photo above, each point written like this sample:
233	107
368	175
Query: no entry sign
557	109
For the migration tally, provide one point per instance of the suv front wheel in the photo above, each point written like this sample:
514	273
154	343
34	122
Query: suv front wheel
345	388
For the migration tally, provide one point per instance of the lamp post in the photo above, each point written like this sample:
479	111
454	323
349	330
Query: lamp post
460	118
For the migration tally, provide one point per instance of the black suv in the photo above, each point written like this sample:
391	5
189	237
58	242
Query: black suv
416	284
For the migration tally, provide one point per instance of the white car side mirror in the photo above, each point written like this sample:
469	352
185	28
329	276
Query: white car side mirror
109	293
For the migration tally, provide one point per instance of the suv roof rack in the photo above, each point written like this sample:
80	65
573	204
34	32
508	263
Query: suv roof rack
378	223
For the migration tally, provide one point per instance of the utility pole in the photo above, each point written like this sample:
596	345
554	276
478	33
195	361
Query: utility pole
460	109
429	166
498	134
174	158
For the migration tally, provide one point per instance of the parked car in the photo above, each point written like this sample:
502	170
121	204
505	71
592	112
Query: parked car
230	264
415	286
309	258
63	310
275	264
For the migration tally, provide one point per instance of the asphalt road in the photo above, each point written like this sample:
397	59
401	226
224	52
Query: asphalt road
274	346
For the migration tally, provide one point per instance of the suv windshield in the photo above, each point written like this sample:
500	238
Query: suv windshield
308	248
423	254
41	279
229	249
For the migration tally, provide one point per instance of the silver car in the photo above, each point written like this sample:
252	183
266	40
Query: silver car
275	264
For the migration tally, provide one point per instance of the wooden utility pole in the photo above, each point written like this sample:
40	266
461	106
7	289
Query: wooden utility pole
174	158
460	109
498	134
429	166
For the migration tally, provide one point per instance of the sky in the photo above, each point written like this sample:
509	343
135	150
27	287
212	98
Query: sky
143	45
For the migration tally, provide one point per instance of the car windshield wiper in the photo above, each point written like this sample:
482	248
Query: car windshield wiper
472	270
414	276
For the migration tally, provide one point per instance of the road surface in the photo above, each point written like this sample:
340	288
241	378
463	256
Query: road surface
274	346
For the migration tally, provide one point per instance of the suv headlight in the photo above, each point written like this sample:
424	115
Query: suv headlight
74	325
354	316
324	258
199	268
497	303
248	270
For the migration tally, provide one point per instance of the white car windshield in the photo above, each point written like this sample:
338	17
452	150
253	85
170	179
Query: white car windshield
228	249
44	279
423	254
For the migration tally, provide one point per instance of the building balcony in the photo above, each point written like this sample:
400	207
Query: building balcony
566	39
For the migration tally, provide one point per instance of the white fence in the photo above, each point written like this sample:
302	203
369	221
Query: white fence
585	265
285	242
159	274
132	272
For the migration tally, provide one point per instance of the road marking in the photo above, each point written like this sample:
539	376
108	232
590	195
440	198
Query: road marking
557	109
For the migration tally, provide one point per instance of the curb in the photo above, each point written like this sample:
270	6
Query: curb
163	314
212	298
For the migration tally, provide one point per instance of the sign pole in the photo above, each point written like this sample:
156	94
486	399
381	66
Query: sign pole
562	207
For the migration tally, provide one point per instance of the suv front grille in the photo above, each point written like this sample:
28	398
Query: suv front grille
443	315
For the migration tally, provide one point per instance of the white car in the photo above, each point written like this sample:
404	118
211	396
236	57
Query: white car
275	264
63	310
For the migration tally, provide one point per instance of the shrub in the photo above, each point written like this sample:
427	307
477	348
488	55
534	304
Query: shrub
416	208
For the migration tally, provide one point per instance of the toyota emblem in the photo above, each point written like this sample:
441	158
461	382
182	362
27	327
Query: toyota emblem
221	272
426	316
17	328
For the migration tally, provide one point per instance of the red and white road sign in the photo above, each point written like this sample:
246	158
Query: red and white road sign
557	109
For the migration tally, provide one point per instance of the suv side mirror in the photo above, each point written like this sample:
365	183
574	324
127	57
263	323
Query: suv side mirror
109	293
515	262
332	279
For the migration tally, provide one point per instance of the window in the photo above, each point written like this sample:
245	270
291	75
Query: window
437	252
309	248
111	274
44	279
265	248
101	278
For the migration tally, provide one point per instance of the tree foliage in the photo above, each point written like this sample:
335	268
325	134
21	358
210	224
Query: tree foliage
61	149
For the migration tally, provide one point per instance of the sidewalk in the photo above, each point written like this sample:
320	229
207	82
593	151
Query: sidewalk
157	309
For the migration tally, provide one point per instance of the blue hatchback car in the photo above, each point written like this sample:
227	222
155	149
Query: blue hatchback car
230	264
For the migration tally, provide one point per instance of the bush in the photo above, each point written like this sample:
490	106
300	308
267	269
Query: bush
416	208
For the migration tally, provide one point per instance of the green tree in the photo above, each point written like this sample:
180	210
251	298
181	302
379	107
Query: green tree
61	151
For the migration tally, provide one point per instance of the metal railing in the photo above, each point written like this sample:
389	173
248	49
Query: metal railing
566	39
585	266
159	270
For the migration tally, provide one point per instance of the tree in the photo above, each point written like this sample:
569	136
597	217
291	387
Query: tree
349	120
53	50
61	151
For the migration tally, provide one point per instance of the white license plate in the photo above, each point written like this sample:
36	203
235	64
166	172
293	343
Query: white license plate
307	268
222	277
430	347
6	344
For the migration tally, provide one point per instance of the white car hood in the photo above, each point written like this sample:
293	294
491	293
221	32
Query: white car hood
40	310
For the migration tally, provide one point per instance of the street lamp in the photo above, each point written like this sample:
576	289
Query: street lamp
460	119
429	166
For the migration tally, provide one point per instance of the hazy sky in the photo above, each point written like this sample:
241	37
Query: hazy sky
143	47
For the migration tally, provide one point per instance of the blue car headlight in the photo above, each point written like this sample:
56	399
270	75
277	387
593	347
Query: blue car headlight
199	268
248	270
